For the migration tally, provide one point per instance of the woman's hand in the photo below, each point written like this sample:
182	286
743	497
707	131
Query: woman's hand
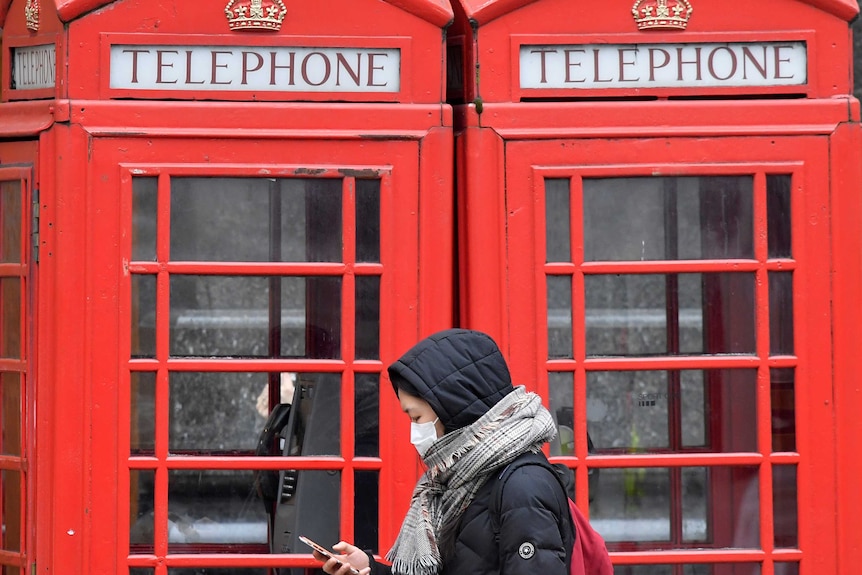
348	556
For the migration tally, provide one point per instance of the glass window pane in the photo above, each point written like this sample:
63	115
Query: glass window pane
367	416
783	394
141	502
144	209
778	215
632	411
11	409
561	404
213	506
653	508
366	502
557	220
256	219
696	411
668	218
234	412
143	316
235	316
785	506
11	511
559	317
143	412
311	506
695	508
10	298
12	215
629	315
367	317
215	412
781	313
368	220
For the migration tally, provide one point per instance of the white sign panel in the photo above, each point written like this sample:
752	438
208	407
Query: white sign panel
33	67
602	66
246	68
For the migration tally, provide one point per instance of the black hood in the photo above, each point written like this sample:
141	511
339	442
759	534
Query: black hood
460	372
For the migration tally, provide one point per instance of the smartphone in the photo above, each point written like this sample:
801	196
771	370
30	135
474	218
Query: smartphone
324	551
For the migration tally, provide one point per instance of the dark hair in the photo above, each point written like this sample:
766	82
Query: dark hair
401	384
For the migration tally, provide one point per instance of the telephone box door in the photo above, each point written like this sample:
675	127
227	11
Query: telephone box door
677	291
253	274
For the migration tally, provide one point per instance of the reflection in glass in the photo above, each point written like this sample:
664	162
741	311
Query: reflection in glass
367	317
562	406
783	397
256	219
11	214
778	215
10	485
781	313
230	316
236	409
638	507
368	220
143	316
672	411
10	337
144	207
141	488
785	506
366	501
11	405
143	412
627	314
367	416
668	218
559	317
213	506
557	220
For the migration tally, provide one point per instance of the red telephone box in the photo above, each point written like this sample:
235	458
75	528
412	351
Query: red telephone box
659	206
243	212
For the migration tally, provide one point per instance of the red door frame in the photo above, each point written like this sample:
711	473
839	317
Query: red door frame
404	238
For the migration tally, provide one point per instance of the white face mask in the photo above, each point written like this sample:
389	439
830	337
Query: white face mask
422	435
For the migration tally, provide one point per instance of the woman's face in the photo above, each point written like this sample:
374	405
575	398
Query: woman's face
419	410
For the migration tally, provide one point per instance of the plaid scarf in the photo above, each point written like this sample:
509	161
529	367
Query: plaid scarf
458	464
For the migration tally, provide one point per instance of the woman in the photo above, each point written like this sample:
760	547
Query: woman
468	423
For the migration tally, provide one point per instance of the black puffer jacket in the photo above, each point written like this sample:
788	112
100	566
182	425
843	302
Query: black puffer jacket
462	374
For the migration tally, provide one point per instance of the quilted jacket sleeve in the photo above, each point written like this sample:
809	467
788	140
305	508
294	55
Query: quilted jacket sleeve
531	539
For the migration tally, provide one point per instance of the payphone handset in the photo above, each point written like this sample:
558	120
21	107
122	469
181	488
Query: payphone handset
324	551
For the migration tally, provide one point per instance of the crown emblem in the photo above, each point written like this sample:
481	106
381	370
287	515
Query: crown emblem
31	15
662	14
255	14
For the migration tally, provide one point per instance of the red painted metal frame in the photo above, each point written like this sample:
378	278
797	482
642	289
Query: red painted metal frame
87	141
412	228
